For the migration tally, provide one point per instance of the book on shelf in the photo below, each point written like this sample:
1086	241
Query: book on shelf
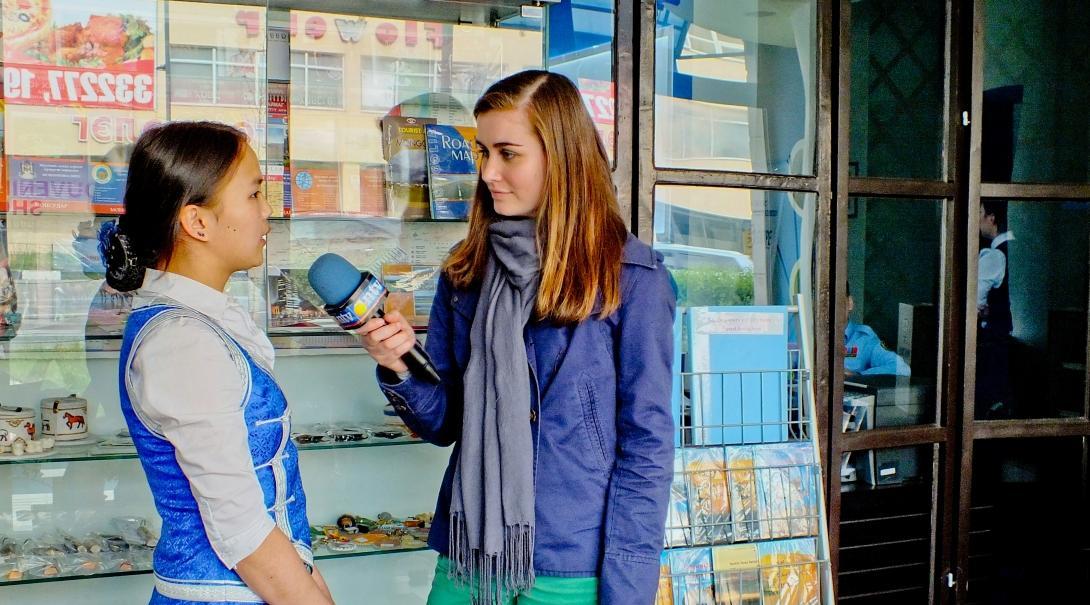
786	489
277	159
789	572
290	301
411	290
678	527
372	190
692	576
741	365
742	480
737	574
709	495
452	170
665	593
404	148
677	387
857	414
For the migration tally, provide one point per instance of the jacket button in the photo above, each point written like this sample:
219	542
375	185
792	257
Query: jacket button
533	415
454	298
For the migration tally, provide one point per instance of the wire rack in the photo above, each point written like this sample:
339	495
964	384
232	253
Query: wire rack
746	520
745	407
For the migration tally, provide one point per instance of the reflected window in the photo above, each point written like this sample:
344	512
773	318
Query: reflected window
734	86
216	76
317	79
388	81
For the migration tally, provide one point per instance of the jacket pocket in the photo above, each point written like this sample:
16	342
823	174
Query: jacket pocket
588	399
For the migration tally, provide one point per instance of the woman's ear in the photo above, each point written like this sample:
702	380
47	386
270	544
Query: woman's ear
195	222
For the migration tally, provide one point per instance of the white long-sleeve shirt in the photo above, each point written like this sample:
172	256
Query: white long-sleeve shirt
186	386
991	268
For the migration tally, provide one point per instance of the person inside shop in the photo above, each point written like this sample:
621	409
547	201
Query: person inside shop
10	318
864	352
197	392
108	310
995	322
552	332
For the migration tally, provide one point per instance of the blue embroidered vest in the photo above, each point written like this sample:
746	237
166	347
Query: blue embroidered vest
187	570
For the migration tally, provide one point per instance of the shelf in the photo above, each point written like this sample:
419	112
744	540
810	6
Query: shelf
320	553
861	486
359	218
108	346
84	453
82	216
754	541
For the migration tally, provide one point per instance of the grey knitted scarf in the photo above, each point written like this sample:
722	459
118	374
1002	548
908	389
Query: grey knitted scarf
492	503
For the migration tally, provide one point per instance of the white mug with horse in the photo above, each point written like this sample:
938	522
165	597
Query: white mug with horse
16	423
65	417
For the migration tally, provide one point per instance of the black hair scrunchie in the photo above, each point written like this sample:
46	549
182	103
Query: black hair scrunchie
124	269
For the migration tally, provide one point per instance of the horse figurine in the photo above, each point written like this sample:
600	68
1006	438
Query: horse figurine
71	419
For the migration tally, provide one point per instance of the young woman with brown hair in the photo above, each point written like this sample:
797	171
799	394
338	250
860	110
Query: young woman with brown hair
551	330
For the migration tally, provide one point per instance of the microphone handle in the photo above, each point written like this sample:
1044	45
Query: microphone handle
417	360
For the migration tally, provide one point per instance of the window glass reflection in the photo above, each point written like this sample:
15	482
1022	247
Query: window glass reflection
1031	294
1035	86
898	77
885	526
734	86
891	329
730	246
1027	521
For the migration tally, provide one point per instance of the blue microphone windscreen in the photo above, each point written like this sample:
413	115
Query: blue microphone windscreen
333	278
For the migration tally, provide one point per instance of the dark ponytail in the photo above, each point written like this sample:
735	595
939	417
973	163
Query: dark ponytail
172	166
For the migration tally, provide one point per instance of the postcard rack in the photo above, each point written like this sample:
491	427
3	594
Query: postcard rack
746	523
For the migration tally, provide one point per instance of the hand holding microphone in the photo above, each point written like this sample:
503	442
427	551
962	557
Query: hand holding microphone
388	340
355	300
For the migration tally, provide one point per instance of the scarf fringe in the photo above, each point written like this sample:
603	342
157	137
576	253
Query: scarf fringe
492	576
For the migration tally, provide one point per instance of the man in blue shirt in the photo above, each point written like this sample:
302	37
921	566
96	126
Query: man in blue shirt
864	352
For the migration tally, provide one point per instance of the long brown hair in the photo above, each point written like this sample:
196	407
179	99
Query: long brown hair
580	232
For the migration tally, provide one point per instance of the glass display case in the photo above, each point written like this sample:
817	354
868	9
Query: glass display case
359	113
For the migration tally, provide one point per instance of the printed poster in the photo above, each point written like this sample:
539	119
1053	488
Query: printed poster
74	53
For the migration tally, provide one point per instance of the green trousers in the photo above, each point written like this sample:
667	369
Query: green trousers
546	591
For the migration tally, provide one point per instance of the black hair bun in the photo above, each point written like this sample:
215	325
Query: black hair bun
124	269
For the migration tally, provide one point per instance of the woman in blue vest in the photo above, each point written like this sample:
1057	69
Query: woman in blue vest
552	332
209	422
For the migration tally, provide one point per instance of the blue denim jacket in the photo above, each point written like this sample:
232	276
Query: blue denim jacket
601	422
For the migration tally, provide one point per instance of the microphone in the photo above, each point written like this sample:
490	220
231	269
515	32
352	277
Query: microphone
352	297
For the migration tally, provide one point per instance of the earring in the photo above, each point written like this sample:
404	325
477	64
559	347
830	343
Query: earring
200	233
